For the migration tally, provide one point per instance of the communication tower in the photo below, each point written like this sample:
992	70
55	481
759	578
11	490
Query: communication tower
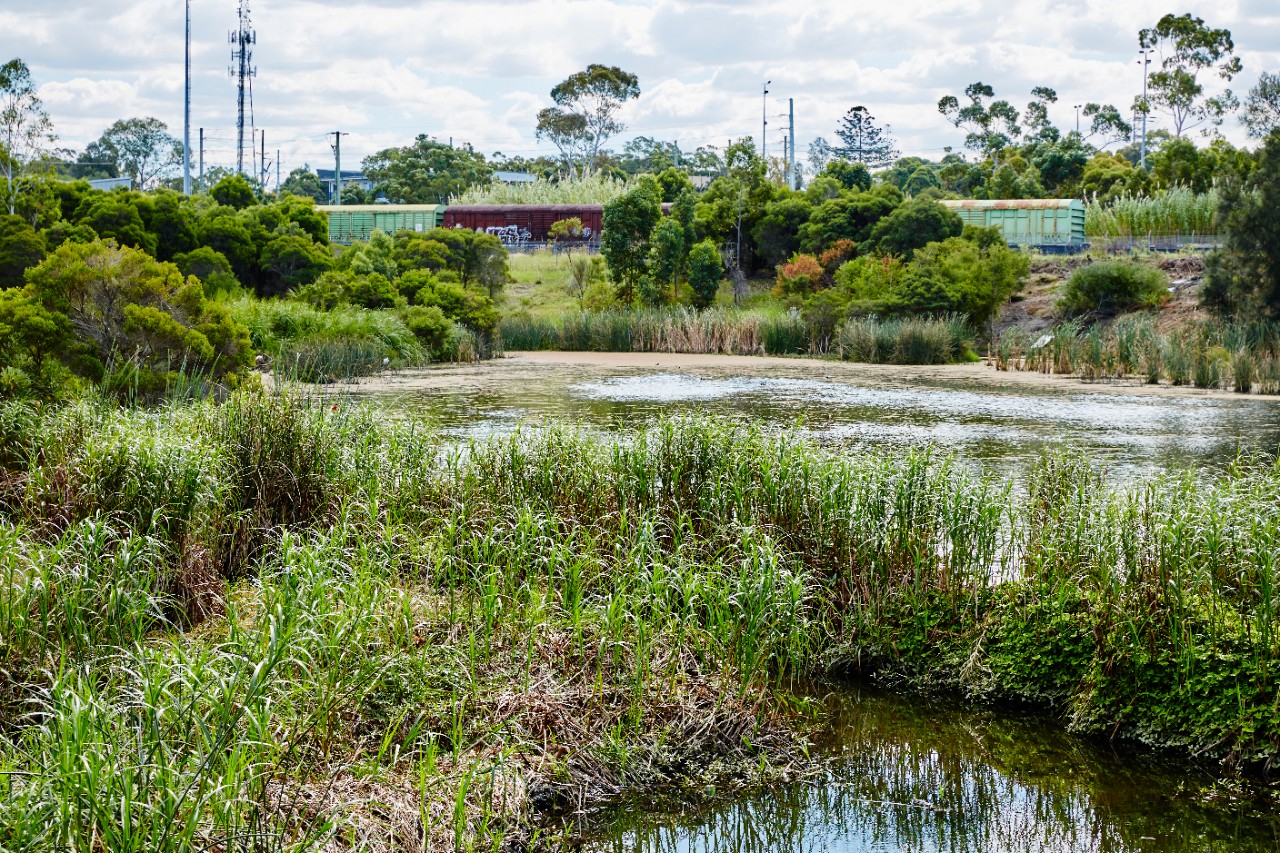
242	40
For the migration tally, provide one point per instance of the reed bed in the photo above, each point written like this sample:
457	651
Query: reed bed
593	189
1212	355
281	623
734	332
336	345
1173	212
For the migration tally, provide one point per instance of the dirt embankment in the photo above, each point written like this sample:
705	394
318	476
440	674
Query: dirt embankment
1035	308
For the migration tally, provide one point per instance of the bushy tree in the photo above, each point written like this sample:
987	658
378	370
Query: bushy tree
25	132
706	269
305	183
127	307
1243	276
234	191
212	268
850	216
667	255
20	248
425	172
912	226
139	148
292	260
777	234
629	220
1110	287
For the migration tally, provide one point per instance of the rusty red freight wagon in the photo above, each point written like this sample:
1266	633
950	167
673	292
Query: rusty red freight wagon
536	220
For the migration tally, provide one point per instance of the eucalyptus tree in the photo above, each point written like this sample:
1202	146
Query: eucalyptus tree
1188	48
25	131
586	111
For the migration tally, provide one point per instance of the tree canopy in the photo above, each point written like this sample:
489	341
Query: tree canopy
426	172
585	114
1188	47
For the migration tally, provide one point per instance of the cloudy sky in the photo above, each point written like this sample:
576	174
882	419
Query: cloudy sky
386	70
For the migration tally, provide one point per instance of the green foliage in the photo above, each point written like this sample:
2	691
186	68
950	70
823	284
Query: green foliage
629	221
426	172
972	275
141	149
468	307
1171	212
850	216
125	307
117	216
1188	47
851	174
20	247
777	233
912	226
591	189
667	256
291	261
1108	287
304	183
914	340
234	191
1243	276
706	269
213	269
312	344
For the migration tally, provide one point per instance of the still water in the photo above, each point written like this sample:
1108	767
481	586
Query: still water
995	421
906	775
923	777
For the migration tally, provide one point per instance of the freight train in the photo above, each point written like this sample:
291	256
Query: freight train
1051	225
513	224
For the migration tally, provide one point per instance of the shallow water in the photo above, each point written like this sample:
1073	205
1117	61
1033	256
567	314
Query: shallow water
909	776
997	427
922	777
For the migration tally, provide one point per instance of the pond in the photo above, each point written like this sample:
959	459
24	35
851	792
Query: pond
924	777
907	775
997	421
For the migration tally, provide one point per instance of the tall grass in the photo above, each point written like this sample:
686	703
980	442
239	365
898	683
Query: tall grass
593	189
1213	354
1177	211
340	344
420	646
734	332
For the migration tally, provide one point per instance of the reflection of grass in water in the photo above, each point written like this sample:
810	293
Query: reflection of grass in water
923	776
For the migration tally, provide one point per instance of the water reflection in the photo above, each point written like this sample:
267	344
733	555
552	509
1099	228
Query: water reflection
918	777
998	428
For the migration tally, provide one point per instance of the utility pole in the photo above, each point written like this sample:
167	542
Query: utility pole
764	117
1077	106
277	171
186	111
242	69
263	159
791	161
200	182
337	165
1145	62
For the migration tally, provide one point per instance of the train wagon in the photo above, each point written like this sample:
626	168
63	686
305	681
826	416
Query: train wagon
350	223
1049	224
528	222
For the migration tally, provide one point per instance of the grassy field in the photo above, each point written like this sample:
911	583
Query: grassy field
280	623
540	285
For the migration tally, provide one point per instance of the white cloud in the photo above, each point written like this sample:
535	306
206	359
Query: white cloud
386	71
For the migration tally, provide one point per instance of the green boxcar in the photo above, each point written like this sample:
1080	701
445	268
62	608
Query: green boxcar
351	223
1043	222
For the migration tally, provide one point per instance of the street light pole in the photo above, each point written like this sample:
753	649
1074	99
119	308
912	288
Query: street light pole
1077	119
1145	62
764	116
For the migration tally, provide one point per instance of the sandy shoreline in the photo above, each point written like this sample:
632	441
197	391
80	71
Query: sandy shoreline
528	365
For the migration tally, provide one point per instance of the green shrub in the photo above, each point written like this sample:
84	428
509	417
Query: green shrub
1109	287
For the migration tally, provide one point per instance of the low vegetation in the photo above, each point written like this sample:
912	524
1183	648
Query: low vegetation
282	620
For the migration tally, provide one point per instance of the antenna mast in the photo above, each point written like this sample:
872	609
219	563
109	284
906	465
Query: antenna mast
243	70
186	110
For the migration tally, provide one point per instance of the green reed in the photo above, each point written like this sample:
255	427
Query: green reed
281	609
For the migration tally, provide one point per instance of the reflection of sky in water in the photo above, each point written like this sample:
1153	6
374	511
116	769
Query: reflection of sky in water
924	777
998	427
